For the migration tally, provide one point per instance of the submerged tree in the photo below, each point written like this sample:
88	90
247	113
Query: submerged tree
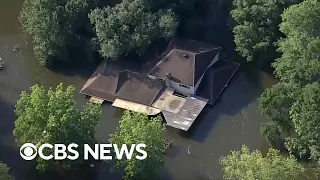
298	67
137	128
51	117
256	27
300	49
52	25
305	117
276	103
130	26
271	131
4	172
246	165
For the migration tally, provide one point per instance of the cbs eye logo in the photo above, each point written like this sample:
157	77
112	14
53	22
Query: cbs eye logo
28	151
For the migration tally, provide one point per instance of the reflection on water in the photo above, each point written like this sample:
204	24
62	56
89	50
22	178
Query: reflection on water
233	121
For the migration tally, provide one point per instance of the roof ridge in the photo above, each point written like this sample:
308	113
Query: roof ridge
120	76
208	50
182	50
154	67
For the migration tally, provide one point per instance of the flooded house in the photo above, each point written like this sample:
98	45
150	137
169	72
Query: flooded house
189	76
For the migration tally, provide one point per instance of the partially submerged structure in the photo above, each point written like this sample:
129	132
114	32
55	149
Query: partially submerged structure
188	77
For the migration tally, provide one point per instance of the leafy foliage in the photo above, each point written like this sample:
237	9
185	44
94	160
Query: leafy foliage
136	128
246	165
51	117
299	62
271	131
4	172
52	25
305	116
276	103
295	100
256	26
302	18
130	26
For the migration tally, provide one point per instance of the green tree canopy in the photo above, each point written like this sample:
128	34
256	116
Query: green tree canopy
246	165
305	117
52	25
137	128
51	117
4	172
302	18
276	103
130	26
271	131
256	26
299	66
300	49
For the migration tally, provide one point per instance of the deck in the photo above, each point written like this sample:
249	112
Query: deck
169	102
179	112
96	100
187	114
163	99
135	107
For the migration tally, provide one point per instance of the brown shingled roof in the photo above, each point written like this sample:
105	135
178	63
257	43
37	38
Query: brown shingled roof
216	79
179	63
139	88
102	83
109	82
186	62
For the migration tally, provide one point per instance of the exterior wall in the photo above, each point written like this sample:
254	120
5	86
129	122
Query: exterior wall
180	89
176	86
185	91
199	81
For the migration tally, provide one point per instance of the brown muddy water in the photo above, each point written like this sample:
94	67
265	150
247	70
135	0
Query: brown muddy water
232	122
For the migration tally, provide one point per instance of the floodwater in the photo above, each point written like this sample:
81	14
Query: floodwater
232	122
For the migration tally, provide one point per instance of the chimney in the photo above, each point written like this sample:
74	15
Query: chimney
168	79
185	55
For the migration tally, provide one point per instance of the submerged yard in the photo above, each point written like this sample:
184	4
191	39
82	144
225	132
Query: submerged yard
234	120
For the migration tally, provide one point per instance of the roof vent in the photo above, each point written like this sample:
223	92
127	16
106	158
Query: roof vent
186	55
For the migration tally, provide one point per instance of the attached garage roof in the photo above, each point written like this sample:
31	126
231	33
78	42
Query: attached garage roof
102	84
109	82
138	88
216	79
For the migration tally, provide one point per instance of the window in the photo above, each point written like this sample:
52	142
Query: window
181	85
